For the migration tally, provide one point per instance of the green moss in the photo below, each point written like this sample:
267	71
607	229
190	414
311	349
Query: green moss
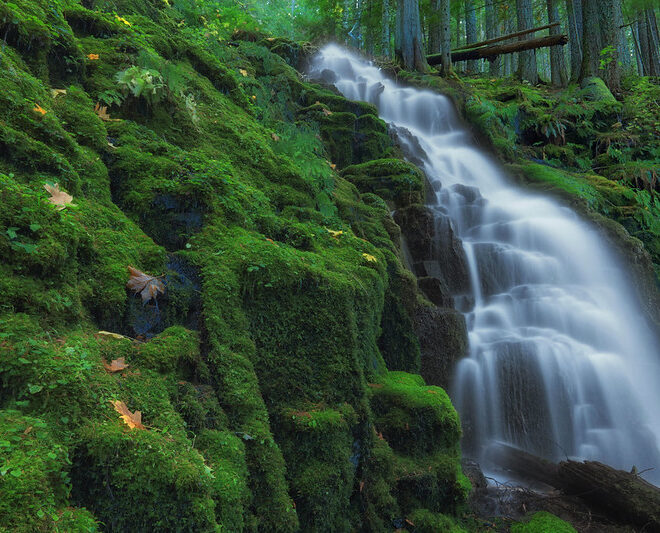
34	482
392	179
543	522
427	522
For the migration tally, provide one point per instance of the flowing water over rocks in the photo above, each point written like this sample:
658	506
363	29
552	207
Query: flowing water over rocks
561	363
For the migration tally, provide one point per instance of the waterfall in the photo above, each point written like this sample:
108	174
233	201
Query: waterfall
561	362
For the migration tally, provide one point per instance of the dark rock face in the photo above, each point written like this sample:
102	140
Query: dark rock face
418	225
437	291
451	257
443	341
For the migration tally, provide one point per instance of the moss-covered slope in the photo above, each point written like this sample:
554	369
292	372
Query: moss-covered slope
261	371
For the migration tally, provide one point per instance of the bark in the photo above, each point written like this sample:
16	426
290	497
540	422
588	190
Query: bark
385	42
622	496
575	38
492	51
527	59
654	42
470	31
506	37
638	51
411	53
557	58
591	45
445	37
493	32
622	41
609	33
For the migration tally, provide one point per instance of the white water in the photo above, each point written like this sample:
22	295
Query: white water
561	363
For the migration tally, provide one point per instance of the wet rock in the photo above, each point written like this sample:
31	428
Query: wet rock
473	472
436	290
418	226
451	257
443	341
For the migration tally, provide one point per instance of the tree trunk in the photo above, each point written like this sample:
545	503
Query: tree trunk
557	58
527	59
492	32
411	53
385	42
493	51
445	37
575	14
622	41
591	45
609	57
470	31
638	50
654	42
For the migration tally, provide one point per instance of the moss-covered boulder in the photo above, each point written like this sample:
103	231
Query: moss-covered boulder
392	179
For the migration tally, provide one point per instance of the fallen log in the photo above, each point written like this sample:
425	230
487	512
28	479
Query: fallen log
622	496
490	52
506	37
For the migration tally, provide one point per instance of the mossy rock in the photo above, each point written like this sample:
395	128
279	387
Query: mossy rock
392	179
427	522
543	522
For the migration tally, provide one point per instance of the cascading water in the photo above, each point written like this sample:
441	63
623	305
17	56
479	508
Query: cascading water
561	362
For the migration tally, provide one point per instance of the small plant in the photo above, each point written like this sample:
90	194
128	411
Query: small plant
141	82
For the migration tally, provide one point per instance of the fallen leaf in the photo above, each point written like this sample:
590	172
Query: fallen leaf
58	197
410	522
334	233
361	485
243	72
333	166
92	57
116	365
102	112
275	137
132	420
370	258
111	334
270	39
148	286
28	430
122	19
38	109
57	92
327	112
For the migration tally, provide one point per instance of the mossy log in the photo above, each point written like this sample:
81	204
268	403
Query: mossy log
490	52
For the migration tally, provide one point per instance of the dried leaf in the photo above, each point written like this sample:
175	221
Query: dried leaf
57	92
148	286
243	72
116	365
102	112
333	166
58	197
110	334
370	258
92	57
334	233
327	112
38	109
132	420
275	137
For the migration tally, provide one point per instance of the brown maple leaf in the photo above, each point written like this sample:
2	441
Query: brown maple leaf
116	365
148	286
58	197
132	420
102	112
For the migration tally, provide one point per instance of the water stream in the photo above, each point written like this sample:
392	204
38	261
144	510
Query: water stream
561	363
